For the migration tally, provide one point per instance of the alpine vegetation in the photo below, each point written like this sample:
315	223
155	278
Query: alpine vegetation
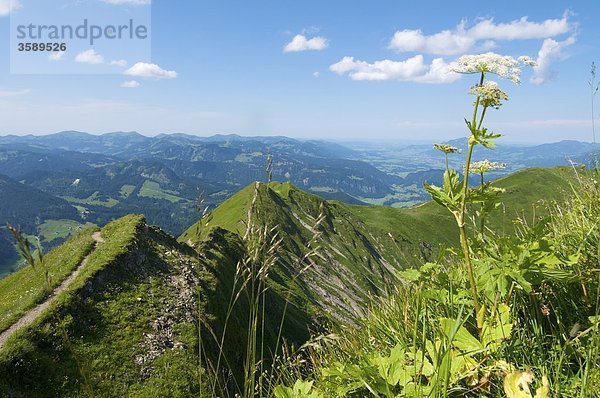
513	315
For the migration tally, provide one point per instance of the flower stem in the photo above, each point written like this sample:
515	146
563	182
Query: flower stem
476	107
482	117
464	240
482	215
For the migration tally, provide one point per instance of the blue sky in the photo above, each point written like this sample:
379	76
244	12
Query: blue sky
222	67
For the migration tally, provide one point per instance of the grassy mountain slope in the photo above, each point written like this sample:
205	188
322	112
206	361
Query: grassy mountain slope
23	289
360	247
128	325
527	194
109	333
348	266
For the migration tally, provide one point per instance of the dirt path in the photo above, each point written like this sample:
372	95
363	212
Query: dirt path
32	314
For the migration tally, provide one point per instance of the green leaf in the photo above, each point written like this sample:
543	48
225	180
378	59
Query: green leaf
301	389
411	275
460	337
393	369
283	392
422	364
497	329
450	194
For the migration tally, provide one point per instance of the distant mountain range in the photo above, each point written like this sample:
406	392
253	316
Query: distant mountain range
406	159
100	178
223	160
51	185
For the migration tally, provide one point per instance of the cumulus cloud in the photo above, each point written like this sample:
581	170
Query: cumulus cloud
443	43
6	7
413	69
482	36
130	84
302	43
56	56
151	71
551	50
89	57
521	29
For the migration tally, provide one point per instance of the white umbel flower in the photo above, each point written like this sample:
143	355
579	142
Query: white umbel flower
485	166
446	148
504	66
490	95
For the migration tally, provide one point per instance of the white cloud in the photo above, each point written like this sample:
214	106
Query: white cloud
89	57
153	71
6	93
130	84
551	50
7	6
301	43
412	69
444	43
121	62
481	36
520	29
131	2
56	56
438	72
316	74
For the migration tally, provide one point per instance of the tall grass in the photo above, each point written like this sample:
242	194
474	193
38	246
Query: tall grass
263	343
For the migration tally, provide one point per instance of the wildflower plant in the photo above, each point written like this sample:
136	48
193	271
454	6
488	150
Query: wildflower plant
485	166
516	324
455	192
446	149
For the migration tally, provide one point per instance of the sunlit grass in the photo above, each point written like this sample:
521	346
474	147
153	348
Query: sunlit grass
27	287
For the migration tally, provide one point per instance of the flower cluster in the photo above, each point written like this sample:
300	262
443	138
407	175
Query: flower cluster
485	165
490	95
502	65
446	148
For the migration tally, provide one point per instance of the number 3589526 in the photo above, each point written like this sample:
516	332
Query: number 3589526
42	47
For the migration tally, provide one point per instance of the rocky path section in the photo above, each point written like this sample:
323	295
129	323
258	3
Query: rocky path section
32	314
